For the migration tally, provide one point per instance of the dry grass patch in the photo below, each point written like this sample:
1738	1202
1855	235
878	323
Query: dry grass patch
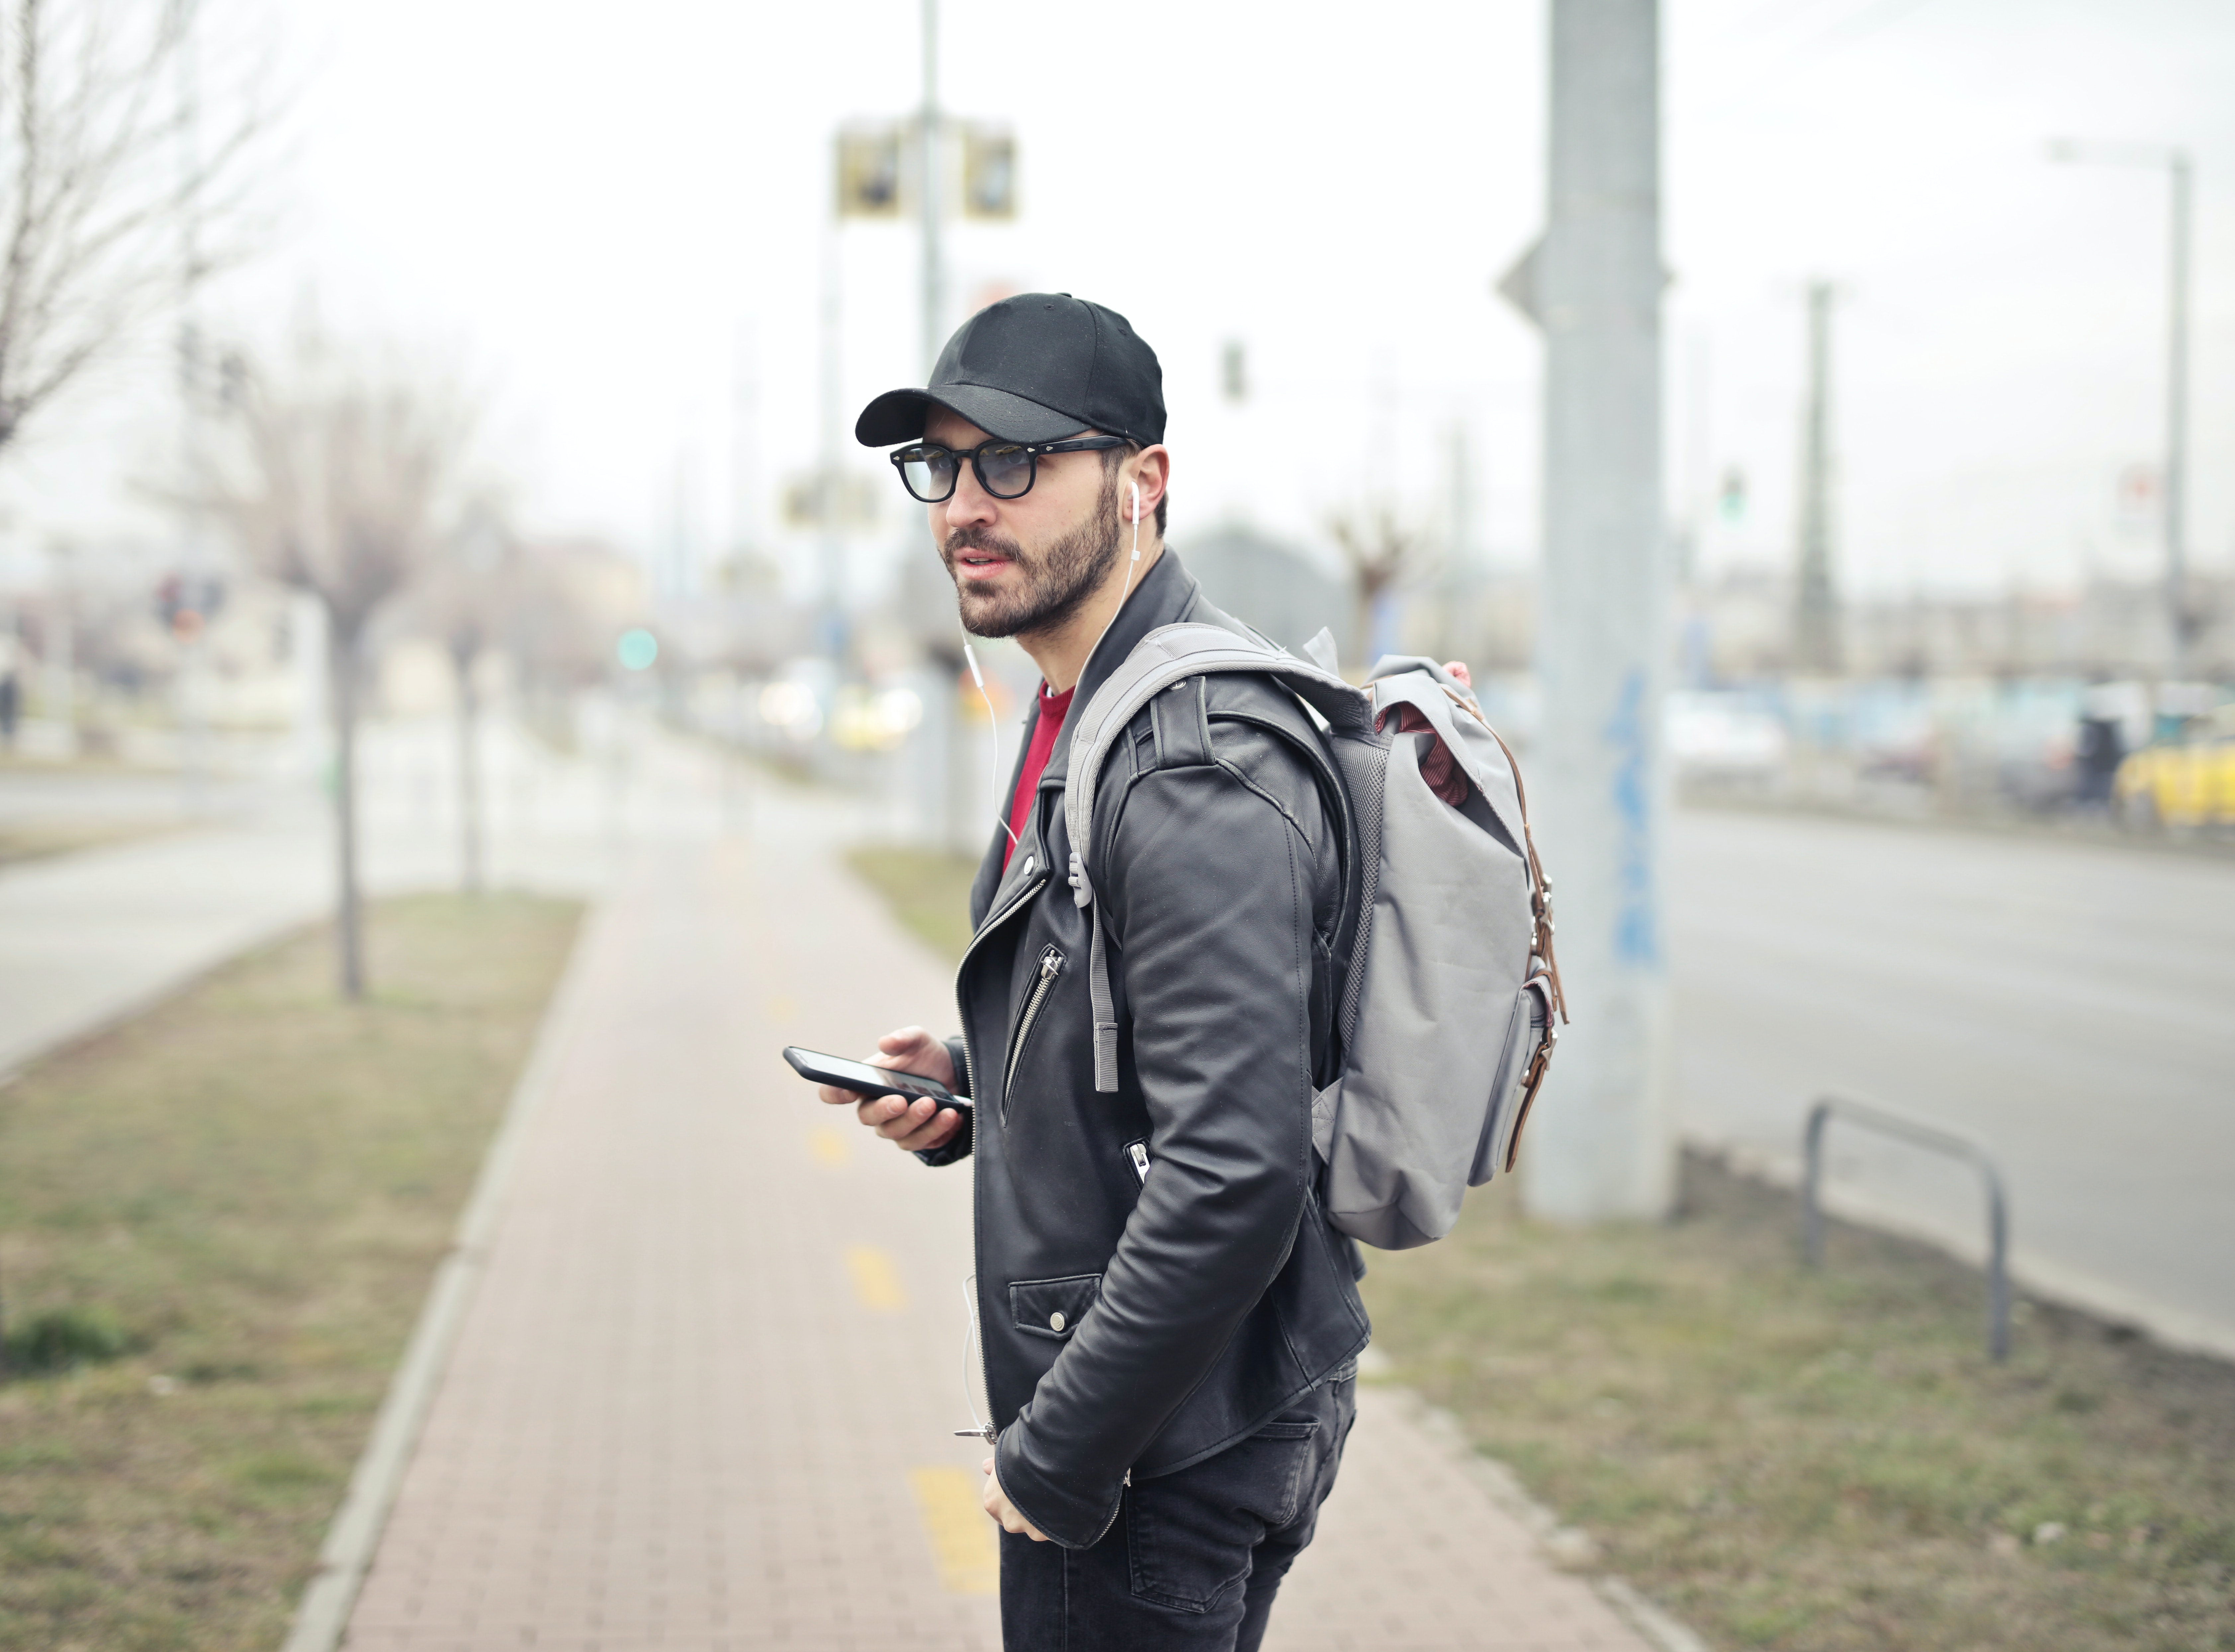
1826	1461
252	1184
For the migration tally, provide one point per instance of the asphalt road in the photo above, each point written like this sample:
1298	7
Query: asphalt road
88	937
2074	1005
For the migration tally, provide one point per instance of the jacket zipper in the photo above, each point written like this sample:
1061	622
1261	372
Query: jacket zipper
1138	1152
1052	963
993	921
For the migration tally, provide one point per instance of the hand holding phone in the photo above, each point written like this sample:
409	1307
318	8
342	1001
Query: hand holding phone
904	1093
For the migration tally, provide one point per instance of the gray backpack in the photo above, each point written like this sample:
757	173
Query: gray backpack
1449	993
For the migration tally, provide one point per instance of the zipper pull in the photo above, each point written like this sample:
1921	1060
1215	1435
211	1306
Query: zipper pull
986	1433
1140	1155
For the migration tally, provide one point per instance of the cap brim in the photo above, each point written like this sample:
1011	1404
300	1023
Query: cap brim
898	416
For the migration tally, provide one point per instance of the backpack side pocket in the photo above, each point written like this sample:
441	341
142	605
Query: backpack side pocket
1526	1030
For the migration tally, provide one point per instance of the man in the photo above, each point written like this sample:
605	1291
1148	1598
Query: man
1168	1324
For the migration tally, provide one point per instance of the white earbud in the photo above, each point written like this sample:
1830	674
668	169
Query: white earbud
1125	590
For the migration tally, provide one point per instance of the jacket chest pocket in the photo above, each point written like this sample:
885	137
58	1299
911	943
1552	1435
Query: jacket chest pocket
1053	1308
1052	965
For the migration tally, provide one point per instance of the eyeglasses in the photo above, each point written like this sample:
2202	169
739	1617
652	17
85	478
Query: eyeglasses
1005	469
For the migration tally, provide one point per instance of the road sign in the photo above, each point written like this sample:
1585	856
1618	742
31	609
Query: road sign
989	171
869	170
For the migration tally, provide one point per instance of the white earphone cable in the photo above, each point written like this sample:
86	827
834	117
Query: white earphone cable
993	722
992	741
1124	590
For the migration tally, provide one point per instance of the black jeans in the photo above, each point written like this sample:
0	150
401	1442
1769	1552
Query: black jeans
1194	1558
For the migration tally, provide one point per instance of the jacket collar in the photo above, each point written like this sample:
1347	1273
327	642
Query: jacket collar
1166	595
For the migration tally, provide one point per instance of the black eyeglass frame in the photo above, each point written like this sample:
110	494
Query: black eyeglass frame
1032	450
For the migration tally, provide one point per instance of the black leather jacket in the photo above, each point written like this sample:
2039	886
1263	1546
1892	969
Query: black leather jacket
1156	1278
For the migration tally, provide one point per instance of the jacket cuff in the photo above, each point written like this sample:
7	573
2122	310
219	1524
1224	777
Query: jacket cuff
956	1146
1074	1517
960	1146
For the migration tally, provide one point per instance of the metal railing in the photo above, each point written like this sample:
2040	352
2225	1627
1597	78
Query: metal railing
1940	1141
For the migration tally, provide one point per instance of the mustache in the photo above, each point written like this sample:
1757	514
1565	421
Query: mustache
982	539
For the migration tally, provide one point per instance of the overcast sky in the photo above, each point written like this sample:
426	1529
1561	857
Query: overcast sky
616	217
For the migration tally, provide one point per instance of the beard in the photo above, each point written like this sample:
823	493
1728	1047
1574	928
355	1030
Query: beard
1056	581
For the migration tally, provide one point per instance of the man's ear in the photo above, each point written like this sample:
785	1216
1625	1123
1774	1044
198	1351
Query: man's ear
1152	471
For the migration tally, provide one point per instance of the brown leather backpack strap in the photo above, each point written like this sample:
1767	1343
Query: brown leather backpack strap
1540	887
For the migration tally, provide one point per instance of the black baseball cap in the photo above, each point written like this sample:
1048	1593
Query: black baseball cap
1036	367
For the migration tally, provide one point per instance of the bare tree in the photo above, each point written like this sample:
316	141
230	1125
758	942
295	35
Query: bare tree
347	473
117	195
1381	552
464	601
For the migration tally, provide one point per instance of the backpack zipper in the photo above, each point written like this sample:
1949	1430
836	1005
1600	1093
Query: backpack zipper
1052	963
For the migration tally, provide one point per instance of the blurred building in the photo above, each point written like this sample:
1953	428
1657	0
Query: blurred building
1486	617
1738	627
1274	586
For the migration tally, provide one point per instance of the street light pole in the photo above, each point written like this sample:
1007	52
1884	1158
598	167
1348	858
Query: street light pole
934	277
827	483
2180	174
2176	464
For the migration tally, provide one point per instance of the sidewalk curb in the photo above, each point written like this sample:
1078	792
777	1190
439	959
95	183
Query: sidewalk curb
322	1616
1565	1545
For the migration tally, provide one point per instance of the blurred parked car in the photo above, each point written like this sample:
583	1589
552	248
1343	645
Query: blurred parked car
1722	736
2188	782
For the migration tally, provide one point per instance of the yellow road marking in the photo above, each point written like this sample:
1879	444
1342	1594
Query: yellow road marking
876	1282
829	1146
962	1539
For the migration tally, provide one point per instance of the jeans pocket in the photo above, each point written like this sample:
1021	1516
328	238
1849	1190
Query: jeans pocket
1189	1536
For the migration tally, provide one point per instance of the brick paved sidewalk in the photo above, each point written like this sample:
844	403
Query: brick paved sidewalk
702	1399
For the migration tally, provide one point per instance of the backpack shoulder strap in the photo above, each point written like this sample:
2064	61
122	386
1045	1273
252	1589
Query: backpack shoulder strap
1166	656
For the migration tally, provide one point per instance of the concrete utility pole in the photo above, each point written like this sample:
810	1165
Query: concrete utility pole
1816	650
1459	549
934	274
2180	176
1601	1145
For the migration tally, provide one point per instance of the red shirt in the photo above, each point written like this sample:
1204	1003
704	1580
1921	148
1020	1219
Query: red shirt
1053	707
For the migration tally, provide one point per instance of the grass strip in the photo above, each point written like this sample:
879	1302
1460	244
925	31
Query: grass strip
39	840
927	890
253	1181
1822	1461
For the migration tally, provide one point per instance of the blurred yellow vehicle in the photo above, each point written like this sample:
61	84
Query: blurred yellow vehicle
2188	782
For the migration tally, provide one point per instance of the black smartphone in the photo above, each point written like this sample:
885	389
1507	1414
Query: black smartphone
817	1068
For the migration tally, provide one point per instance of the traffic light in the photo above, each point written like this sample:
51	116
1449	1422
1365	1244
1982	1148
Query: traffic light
187	604
1731	498
1234	371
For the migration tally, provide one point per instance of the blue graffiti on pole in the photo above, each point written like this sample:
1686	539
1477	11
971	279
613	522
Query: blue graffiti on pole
1636	929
